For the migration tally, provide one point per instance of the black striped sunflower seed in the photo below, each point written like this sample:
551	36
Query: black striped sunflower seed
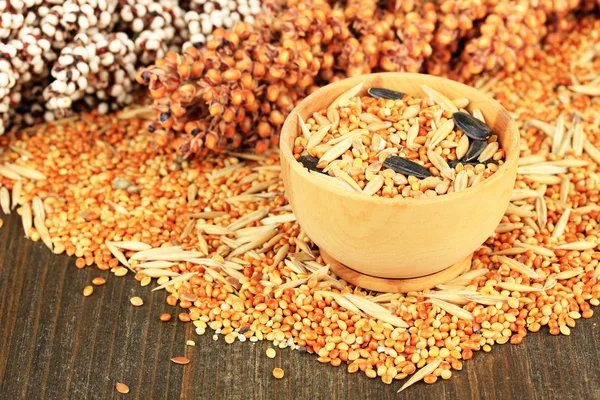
381	93
406	167
310	163
471	126
475	149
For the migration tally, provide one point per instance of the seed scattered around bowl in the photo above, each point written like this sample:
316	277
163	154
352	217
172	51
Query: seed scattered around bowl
136	301
271	353
181	360
165	317
88	290
278	373
122	388
98	281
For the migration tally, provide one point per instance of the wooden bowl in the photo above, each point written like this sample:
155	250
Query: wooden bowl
399	238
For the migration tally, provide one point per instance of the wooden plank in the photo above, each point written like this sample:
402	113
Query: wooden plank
55	343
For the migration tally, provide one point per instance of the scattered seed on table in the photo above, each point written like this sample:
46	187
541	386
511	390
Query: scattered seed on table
271	353
180	360
122	388
278	373
98	281
190	343
165	317
136	301
88	290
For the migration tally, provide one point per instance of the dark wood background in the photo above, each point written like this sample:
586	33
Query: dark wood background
57	344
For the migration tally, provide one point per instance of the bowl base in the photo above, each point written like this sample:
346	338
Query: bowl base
396	285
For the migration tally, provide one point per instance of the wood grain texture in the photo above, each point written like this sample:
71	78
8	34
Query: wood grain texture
57	344
399	238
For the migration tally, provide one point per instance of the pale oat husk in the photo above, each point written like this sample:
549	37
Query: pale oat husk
117	207
344	177
256	242
369	118
474	180
259	187
532	159
329	180
303	128
386	297
508	227
340	299
569	274
468	276
40	226
118	254
9	173
591	151
377	143
334	116
411	135
411	111
278	219
247	156
579	246
180	278
567	162
540	169
202	243
155	264
518	211
336	151
292	284
578	139
344	97
26	219
545	127
374	185
192	192
477	114
378	126
248	219
27	172
318	136
558	134
175	255
541	210
442	132
542	251
512	251
5	200
20	151
560	226
452	309
213	229
545	179
207	214
422	373
448	296
587	209
440	99
488	152
281	254
517	287
461	102
531	223
583	89
38	208
441	164
225	171
189	227
132	245
522	194
564	189
320	119
295	265
519	267
316	276
463	147
461	182
154	253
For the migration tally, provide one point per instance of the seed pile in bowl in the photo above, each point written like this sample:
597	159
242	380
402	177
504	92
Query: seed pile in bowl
391	144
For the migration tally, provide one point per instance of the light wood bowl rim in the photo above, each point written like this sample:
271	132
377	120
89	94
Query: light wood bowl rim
512	153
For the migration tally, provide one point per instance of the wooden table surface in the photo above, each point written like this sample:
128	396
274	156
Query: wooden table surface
57	344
